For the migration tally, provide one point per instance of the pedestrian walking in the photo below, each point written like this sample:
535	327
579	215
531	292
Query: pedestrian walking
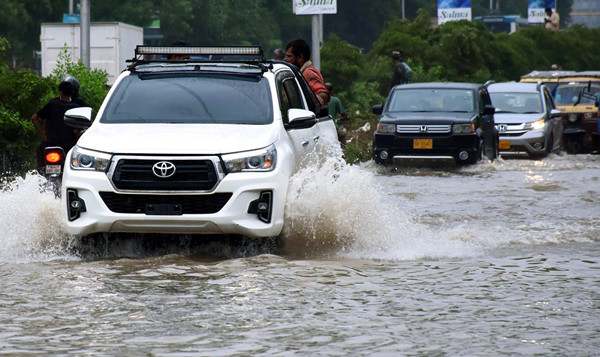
402	71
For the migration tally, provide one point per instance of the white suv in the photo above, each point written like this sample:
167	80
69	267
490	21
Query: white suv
193	140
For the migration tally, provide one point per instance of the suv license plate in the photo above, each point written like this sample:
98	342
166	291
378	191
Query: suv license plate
504	145
422	143
53	169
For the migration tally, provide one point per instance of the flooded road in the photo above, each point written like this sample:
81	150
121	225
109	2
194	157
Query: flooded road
498	258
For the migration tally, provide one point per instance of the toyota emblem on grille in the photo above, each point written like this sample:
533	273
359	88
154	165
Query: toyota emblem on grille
163	169
423	128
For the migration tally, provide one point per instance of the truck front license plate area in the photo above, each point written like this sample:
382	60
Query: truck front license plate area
164	209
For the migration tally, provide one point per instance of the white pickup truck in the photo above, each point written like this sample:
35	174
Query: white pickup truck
194	140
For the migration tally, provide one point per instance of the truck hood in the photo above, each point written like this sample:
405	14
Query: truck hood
511	118
177	139
427	118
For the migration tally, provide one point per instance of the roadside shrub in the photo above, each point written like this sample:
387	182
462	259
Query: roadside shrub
343	63
17	142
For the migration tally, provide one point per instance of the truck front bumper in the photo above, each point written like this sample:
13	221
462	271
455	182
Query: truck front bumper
236	193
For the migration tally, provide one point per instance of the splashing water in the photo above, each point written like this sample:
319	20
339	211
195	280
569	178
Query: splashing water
340	209
32	222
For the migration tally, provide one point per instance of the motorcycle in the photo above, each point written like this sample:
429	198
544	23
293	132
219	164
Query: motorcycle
54	157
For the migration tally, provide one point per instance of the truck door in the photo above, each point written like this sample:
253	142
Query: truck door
326	133
290	97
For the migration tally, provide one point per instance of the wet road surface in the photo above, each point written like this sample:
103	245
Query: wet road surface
498	258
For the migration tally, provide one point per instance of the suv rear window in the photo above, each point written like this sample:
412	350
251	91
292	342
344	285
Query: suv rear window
190	99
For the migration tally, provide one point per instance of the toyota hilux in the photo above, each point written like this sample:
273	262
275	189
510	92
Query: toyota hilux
193	140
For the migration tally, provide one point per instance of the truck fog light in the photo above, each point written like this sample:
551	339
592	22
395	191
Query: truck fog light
75	205
463	155
383	155
263	207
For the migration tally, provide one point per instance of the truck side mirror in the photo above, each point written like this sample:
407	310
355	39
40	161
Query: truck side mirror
79	118
301	119
377	109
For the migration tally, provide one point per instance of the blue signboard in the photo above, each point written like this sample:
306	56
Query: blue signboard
71	18
453	10
536	10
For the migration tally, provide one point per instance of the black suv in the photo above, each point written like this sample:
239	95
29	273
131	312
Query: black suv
436	121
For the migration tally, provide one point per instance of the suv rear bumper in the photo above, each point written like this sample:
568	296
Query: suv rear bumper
230	214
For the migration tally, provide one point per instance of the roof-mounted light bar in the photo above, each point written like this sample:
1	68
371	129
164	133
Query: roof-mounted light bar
200	51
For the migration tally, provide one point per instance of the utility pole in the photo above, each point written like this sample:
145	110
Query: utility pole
70	7
84	42
321	32
403	10
316	37
491	5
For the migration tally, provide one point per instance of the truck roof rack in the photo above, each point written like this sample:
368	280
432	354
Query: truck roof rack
253	55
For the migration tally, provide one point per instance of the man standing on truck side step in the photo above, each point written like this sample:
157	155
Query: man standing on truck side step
49	121
297	53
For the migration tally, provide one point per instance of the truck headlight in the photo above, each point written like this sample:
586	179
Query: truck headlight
252	161
82	159
463	129
536	125
384	128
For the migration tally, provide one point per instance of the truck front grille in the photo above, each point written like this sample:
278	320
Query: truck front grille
190	175
187	204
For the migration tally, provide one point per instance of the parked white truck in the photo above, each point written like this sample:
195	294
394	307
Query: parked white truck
112	43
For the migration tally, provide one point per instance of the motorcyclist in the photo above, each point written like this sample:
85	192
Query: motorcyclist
76	97
49	121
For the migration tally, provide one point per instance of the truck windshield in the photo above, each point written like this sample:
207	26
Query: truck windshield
191	99
520	103
432	100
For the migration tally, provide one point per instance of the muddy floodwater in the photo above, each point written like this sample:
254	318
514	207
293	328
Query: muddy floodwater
496	259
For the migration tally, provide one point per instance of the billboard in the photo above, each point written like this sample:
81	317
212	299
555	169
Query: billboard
453	10
535	10
315	7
